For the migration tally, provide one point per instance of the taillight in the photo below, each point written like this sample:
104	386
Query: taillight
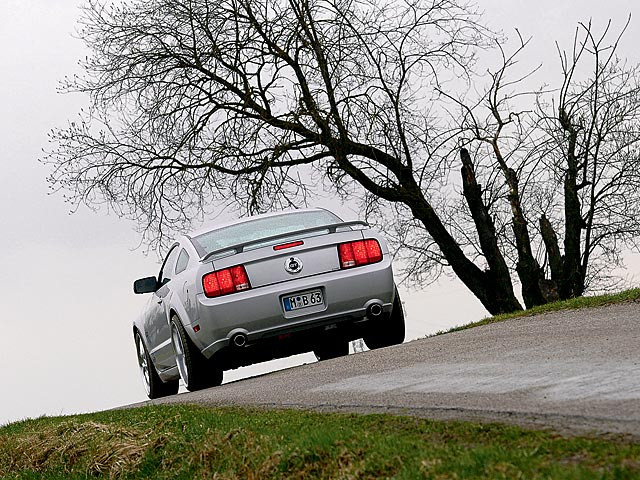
360	252
224	282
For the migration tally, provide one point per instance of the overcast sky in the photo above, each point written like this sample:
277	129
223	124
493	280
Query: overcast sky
65	280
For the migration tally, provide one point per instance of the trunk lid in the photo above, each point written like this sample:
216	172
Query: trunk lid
265	266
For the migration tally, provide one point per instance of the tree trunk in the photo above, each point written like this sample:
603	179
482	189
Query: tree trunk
571	284
529	271
481	283
494	290
553	250
498	273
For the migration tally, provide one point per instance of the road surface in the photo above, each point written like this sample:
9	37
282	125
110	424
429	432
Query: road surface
574	371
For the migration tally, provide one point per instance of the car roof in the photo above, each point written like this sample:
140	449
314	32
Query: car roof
217	226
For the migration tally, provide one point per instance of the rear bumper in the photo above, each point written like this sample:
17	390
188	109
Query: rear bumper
260	315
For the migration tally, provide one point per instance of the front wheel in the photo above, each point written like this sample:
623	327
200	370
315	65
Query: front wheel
195	371
387	332
153	385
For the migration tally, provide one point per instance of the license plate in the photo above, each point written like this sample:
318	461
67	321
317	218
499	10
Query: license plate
303	300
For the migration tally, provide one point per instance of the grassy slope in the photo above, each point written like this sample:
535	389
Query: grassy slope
196	442
632	295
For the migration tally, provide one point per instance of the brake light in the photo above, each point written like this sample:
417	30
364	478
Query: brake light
224	282
288	245
360	252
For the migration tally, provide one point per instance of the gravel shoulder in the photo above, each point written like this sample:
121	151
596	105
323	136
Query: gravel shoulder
574	371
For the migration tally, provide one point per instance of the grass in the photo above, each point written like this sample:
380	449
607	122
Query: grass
632	295
185	442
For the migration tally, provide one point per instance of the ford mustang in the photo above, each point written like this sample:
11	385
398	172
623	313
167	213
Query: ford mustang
264	287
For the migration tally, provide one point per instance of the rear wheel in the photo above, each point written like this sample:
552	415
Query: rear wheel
335	349
196	372
153	385
387	332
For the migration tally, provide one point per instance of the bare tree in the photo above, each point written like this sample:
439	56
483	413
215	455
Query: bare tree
593	131
257	102
571	158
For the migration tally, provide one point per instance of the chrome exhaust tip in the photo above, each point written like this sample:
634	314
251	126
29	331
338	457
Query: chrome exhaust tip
374	311
239	340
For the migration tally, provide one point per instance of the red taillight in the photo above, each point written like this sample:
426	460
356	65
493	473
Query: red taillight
223	282
345	252
361	252
288	245
211	285
374	252
240	279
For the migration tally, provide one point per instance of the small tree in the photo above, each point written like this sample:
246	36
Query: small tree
255	102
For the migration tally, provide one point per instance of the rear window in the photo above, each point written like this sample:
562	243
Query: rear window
254	230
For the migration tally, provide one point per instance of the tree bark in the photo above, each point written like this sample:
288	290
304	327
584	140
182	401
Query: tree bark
550	239
571	284
528	268
498	272
554	256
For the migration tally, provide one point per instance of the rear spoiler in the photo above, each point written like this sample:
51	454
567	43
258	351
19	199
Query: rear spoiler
239	247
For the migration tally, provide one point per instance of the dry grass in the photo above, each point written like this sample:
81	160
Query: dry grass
98	448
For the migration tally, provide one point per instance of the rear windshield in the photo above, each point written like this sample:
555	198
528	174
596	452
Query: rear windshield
254	230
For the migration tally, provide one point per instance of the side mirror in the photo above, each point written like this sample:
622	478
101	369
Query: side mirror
145	285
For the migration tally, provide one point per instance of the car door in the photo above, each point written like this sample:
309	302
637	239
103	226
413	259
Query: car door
157	328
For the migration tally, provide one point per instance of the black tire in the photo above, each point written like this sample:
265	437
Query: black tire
195	370
387	332
335	349
153	384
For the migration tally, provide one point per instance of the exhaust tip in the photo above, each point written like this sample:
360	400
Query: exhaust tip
239	340
375	310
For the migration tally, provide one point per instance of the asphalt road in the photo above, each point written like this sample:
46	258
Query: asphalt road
573	371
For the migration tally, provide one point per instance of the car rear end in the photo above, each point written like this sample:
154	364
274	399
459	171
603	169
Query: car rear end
292	291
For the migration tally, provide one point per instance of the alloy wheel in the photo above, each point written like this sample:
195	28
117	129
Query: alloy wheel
143	364
179	350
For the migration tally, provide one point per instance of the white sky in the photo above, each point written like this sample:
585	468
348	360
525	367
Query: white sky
65	280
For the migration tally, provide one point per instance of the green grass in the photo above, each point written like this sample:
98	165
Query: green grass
185	442
632	295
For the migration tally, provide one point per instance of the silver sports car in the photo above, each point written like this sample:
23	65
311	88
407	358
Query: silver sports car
260	288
